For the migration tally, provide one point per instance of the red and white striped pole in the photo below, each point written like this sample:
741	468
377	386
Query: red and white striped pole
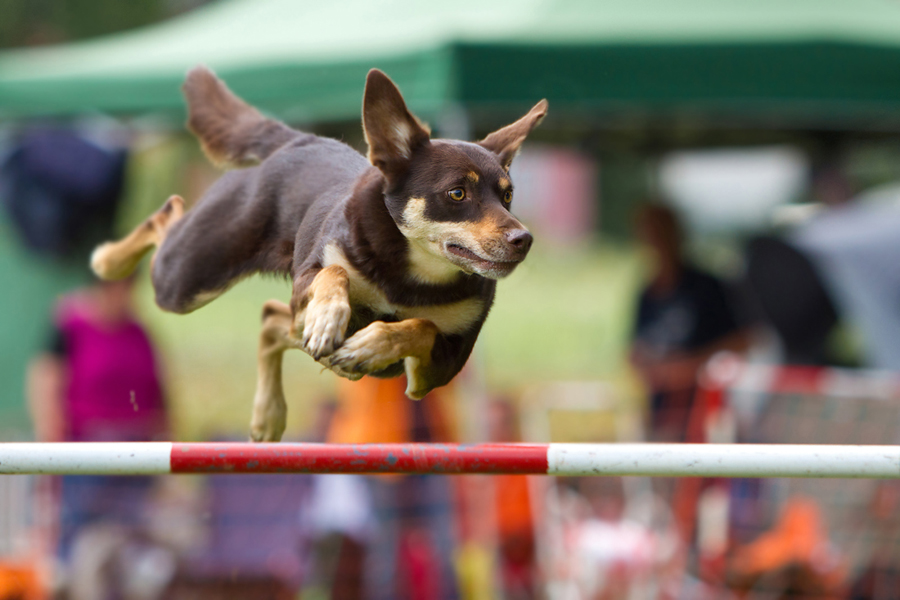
663	460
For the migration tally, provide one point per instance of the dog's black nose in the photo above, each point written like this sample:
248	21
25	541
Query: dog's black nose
520	239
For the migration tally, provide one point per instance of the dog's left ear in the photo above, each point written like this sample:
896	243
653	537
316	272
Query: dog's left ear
391	131
505	142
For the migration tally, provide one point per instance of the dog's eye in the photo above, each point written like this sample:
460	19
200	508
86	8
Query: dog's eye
457	194
507	196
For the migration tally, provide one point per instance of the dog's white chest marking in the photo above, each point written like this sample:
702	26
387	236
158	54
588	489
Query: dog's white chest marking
449	318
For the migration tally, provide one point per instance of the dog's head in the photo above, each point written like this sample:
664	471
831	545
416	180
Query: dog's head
450	199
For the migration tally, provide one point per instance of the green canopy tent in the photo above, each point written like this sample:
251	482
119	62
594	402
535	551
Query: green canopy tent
830	64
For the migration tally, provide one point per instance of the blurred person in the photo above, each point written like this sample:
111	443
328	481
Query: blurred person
790	286
20	582
411	547
793	300
98	381
610	554
878	577
513	508
793	559
828	182
98	378
338	520
852	243
61	190
827	284
684	316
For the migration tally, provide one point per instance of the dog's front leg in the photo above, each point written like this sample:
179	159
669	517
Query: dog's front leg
321	310
381	344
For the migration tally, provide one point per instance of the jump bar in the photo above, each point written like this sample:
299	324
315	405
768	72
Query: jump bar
659	460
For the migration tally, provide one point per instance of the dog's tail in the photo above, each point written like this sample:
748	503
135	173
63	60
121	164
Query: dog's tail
231	132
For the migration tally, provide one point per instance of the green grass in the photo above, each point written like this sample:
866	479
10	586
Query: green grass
561	315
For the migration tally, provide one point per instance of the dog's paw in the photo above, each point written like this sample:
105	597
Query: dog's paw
325	361
268	422
368	350
324	326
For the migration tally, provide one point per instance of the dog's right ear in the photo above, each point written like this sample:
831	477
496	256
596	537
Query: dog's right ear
391	131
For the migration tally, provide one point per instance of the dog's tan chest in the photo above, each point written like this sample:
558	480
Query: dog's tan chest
452	318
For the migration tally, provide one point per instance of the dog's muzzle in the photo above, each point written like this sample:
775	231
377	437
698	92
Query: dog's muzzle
496	258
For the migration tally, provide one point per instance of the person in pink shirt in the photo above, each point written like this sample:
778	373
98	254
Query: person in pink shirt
98	380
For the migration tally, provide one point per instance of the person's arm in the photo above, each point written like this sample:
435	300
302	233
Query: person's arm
44	387
720	324
645	363
679	371
723	326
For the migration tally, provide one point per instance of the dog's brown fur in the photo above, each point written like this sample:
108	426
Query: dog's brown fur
393	260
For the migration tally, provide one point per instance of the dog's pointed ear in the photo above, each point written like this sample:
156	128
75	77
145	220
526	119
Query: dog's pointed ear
505	143
392	132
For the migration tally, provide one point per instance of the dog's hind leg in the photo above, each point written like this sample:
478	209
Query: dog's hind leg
269	408
118	260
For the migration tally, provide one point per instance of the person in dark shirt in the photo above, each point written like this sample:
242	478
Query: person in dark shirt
684	316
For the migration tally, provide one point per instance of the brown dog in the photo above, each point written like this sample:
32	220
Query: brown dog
393	260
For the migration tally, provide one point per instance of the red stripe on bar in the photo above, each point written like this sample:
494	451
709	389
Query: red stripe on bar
527	459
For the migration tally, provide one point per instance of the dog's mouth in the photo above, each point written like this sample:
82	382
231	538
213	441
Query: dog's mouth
483	266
